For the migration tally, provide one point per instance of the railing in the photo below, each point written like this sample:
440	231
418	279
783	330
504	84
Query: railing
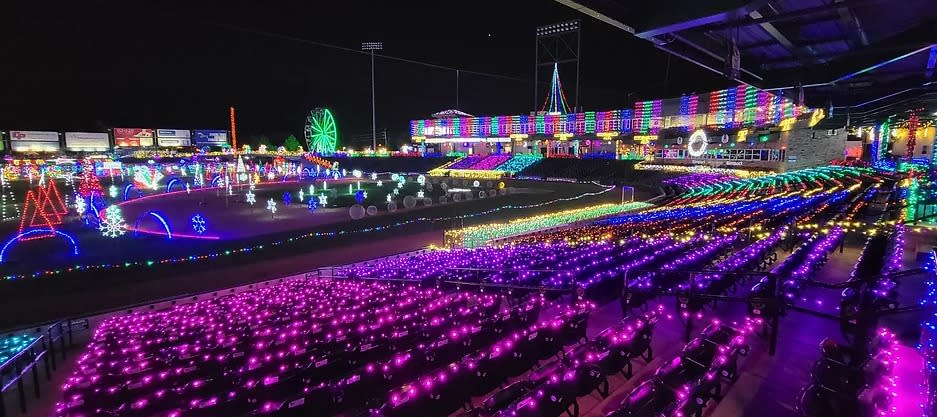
49	350
53	341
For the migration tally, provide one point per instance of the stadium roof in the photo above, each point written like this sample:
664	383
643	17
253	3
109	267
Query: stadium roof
871	58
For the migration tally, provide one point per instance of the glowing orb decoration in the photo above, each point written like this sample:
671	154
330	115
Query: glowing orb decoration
356	173
476	184
113	224
421	179
199	225
112	191
394	177
697	144
272	206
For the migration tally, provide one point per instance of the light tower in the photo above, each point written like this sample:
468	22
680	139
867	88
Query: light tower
373	46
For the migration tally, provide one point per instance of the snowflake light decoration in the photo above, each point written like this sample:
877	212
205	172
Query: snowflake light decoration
380	183
250	196
80	205
312	204
112	191
113	224
199	224
359	196
373	176
323	200
420	194
272	206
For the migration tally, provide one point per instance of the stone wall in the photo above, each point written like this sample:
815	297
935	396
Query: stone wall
808	148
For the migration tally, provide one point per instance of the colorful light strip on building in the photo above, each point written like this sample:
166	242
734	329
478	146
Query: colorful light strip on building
740	106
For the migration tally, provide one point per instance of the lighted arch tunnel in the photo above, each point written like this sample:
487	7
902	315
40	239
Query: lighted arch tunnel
130	187
9	243
159	219
174	181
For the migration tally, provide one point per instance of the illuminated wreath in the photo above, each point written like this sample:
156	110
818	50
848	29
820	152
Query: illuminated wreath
697	144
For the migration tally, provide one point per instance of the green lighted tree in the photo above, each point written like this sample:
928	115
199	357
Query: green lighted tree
292	144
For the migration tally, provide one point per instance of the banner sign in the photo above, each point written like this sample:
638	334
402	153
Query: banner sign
87	141
173	137
34	141
133	137
210	137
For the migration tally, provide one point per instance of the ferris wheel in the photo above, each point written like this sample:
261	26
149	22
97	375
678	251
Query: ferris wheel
320	132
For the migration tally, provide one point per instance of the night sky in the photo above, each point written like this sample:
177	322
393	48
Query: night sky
91	65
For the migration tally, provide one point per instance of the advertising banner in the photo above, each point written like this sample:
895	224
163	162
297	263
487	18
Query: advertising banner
87	141
173	137
133	137
34	141
210	137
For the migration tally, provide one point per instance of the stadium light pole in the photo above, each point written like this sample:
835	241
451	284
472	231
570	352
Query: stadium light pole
373	46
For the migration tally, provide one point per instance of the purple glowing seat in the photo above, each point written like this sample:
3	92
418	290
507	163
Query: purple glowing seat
645	400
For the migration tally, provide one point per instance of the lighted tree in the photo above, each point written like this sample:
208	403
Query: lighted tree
292	144
89	183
